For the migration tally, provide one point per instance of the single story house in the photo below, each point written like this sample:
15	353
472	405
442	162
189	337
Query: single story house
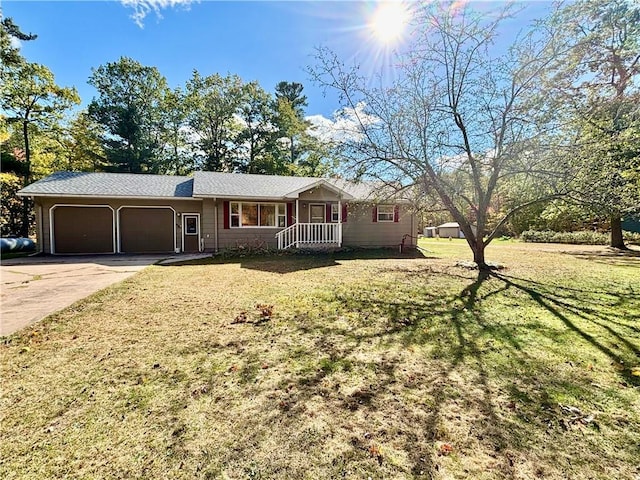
88	213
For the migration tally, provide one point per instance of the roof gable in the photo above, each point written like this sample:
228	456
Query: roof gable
234	185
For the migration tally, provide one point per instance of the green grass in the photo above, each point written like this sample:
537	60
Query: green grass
378	365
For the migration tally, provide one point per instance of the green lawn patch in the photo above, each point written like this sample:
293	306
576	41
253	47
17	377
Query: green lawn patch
368	364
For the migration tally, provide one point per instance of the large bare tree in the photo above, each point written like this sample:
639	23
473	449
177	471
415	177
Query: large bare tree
456	119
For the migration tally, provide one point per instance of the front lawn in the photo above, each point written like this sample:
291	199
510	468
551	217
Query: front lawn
363	367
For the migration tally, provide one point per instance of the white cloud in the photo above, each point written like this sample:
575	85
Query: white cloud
15	42
346	125
141	8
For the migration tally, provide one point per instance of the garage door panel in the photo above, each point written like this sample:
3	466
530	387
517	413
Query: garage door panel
83	230
146	230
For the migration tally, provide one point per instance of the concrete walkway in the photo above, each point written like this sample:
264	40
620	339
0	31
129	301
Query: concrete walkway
32	288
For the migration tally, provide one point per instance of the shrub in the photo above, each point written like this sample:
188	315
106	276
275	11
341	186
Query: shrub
584	237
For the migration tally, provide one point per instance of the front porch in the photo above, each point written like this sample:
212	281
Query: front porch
310	235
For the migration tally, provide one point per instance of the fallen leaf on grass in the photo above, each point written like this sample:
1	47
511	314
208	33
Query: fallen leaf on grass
445	449
240	318
374	451
635	371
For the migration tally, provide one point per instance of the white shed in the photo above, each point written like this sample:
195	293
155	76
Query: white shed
450	230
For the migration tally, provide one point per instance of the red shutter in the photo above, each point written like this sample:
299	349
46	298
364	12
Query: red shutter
290	219
225	213
344	213
396	213
327	215
374	216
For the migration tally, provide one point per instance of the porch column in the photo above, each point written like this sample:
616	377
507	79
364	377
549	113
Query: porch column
339	221
297	223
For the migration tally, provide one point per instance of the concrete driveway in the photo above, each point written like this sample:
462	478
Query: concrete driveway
34	287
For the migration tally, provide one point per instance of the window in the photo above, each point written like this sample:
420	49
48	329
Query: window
191	225
385	213
235	214
245	214
249	214
281	212
334	212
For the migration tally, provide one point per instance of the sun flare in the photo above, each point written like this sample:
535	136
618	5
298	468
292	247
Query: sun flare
389	22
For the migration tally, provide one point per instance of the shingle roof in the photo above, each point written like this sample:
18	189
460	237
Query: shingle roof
111	185
247	185
203	184
275	186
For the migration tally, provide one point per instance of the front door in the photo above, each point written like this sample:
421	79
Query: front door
190	233
316	213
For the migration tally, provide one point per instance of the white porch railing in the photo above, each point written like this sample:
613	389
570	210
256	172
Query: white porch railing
305	234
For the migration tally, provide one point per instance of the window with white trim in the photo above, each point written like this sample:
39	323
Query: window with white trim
191	225
334	212
385	213
252	214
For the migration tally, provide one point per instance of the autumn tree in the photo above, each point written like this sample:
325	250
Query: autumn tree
455	120
82	149
12	166
31	99
595	84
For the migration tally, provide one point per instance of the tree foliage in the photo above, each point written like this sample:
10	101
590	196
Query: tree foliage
596	84
31	99
129	106
214	102
10	34
11	207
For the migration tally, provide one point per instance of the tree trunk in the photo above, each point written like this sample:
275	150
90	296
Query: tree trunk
478	255
616	232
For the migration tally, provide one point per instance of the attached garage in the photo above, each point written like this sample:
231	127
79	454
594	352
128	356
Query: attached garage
82	229
146	229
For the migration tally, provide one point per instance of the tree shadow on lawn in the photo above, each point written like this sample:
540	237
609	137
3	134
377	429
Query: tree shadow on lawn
296	261
610	256
308	260
483	391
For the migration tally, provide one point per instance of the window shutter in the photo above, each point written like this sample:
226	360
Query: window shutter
344	213
327	215
374	216
290	219
225	213
396	213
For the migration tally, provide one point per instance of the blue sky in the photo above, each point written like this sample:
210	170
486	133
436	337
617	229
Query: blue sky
264	41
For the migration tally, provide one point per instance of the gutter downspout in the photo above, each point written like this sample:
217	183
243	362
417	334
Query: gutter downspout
412	229
215	225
